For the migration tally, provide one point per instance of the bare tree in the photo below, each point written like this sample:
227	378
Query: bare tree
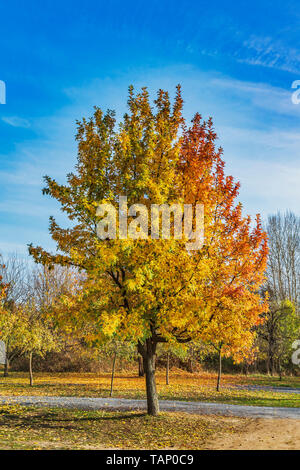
284	257
47	285
14	270
283	286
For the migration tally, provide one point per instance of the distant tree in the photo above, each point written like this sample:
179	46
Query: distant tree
284	258
38	335
281	327
233	334
168	351
26	331
14	271
117	350
26	326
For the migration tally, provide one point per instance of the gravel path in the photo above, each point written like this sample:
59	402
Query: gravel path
165	405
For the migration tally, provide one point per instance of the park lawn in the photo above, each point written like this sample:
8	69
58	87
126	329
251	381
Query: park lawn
293	382
183	386
35	428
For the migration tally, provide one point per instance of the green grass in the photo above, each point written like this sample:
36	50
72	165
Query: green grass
293	382
46	428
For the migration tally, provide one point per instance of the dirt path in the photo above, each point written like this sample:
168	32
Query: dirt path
165	405
260	434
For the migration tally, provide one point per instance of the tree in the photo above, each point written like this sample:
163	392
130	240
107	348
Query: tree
38	336
117	350
284	257
154	290
281	327
14	272
11	332
170	350
47	285
232	331
25	325
28	332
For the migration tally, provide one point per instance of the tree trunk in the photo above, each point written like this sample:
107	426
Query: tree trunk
6	367
30	370
190	365
113	374
272	366
141	367
220	370
279	369
167	368
148	352
271	360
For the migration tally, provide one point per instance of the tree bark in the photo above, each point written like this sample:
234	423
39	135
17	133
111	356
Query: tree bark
154	361
167	368
141	367
190	367
271	358
147	350
279	369
113	374
6	367
272	366
220	370
30	370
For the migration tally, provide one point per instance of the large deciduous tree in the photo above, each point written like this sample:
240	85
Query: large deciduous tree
155	290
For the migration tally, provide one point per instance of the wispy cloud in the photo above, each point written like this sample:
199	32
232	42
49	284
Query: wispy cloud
272	53
16	121
260	95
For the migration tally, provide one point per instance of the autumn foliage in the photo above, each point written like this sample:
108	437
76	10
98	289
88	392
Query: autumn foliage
151	291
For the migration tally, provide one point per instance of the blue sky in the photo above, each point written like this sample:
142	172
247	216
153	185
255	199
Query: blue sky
235	60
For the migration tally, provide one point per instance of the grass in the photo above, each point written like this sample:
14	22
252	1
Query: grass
293	382
46	428
183	386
